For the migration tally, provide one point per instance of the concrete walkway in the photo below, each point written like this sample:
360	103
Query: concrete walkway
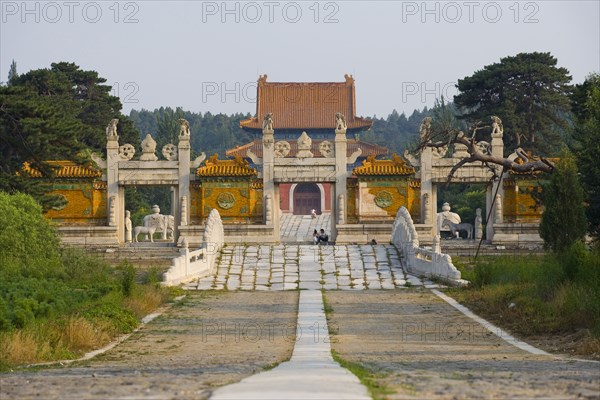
311	373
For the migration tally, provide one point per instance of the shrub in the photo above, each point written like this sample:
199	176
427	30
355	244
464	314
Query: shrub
57	303
28	243
563	220
127	277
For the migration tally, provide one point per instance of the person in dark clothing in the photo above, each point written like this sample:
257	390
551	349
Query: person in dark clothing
323	237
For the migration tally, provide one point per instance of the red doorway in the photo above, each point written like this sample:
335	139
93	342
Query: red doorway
307	196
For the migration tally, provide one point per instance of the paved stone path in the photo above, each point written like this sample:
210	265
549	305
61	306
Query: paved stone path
299	228
311	373
344	267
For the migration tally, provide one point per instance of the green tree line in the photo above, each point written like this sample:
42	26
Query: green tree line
62	112
216	133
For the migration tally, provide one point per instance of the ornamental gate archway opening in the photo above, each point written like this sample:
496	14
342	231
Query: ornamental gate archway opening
464	199
164	198
435	167
307	173
172	171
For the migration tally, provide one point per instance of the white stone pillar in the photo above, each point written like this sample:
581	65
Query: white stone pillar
112	183
497	151
341	175
184	181
426	219
429	209
268	158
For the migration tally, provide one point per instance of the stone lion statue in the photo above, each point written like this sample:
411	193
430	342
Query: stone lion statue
111	129
268	122
497	128
184	128
340	121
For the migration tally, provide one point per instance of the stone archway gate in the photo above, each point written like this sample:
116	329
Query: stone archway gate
434	169
122	171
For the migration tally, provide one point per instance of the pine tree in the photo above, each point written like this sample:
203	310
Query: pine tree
563	220
586	109
59	113
12	73
528	92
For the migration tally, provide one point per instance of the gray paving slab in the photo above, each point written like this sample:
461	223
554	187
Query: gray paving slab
285	267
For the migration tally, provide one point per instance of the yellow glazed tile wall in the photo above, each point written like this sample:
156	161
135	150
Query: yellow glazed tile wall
398	189
236	201
86	203
195	203
519	204
414	200
351	209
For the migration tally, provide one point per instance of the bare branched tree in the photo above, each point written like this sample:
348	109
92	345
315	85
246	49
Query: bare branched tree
440	137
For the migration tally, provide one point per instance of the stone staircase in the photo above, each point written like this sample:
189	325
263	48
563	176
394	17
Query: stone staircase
312	267
142	254
468	248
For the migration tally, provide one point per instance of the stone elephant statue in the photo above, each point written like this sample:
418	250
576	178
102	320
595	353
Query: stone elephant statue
165	224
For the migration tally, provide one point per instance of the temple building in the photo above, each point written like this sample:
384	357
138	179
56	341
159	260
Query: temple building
306	107
306	155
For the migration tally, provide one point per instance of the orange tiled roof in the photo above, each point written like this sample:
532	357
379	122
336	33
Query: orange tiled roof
395	166
368	149
64	169
306	105
215	167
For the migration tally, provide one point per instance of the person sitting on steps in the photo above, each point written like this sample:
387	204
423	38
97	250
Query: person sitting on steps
316	236
323	238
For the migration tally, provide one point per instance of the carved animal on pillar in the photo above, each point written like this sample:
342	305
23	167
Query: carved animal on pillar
145	230
497	127
268	122
340	122
111	130
459	227
184	128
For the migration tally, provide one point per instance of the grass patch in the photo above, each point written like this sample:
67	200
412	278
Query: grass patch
538	295
367	377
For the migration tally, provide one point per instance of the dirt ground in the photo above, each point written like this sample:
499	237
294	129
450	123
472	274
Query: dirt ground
420	347
414	343
210	339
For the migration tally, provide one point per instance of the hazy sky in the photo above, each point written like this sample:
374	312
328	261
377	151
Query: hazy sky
206	56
